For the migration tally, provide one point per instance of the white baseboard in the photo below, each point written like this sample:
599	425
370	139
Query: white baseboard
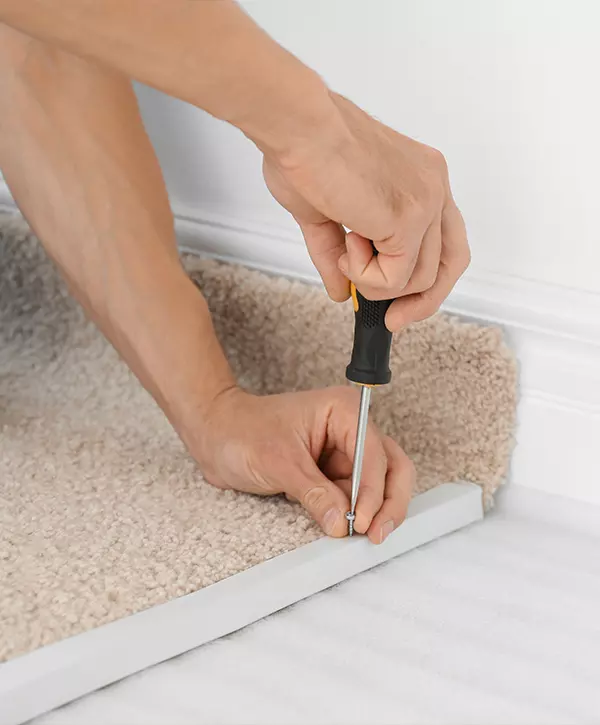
58	673
555	332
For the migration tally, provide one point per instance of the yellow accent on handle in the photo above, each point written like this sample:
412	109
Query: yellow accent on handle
354	297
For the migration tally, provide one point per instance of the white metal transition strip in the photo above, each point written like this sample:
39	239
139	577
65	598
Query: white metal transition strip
58	673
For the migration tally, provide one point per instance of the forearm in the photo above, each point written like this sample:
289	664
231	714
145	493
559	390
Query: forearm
206	52
76	157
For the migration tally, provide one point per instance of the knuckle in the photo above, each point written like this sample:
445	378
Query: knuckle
398	274
416	204
437	159
428	189
423	206
428	307
431	307
465	258
436	173
429	280
315	498
460	263
423	280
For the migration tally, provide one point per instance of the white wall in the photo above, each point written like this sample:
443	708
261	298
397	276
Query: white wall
507	89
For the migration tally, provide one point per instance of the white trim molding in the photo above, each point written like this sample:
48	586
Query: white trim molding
53	675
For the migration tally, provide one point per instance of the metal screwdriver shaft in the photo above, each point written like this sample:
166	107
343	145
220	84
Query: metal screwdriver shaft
361	434
369	366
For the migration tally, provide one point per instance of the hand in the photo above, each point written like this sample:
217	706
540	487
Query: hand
387	188
302	445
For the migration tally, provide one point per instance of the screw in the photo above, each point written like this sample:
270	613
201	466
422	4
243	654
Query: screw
350	517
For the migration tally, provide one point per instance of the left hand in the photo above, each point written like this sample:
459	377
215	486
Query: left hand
302	445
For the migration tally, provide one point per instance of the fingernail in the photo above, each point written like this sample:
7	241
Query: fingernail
330	520
386	530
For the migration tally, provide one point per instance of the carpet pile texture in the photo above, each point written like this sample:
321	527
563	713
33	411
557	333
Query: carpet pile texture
102	511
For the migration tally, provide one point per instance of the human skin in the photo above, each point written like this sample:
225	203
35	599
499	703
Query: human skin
82	170
70	129
329	163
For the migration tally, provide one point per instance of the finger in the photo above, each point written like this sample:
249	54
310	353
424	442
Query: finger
372	481
379	276
358	256
325	242
455	242
397	267
345	484
342	435
337	465
420	306
399	253
370	493
399	484
324	501
426	269
453	262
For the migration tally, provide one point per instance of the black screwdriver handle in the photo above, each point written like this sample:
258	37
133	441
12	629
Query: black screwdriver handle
370	361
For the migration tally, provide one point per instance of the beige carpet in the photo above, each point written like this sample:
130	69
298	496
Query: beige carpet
102	512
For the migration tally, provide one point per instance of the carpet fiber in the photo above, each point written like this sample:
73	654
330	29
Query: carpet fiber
102	512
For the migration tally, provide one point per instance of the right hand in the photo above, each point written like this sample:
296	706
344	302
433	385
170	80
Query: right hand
387	188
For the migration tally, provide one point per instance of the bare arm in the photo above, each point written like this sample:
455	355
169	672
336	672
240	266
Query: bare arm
329	163
206	52
77	159
81	167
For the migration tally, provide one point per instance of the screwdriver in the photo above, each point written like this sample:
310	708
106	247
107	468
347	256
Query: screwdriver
369	367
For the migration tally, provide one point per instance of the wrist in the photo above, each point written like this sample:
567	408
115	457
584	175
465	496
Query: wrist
205	428
298	112
277	101
192	371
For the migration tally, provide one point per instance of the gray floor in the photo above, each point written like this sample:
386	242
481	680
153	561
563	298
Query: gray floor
499	623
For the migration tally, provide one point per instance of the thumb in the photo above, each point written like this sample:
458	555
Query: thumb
324	501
